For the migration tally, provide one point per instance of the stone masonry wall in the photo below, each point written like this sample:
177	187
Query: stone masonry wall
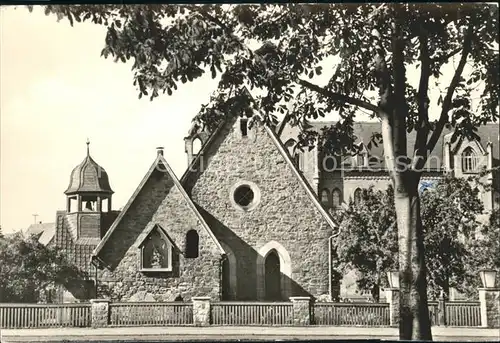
285	213
159	203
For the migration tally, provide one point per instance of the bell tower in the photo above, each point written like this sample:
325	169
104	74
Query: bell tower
88	197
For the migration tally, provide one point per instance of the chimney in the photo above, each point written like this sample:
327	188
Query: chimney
159	150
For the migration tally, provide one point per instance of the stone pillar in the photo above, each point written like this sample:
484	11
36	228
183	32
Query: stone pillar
301	310
100	312
489	299
392	296
79	201
442	310
99	204
201	311
68	204
109	204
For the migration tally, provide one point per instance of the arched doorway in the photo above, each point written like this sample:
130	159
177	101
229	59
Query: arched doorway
272	276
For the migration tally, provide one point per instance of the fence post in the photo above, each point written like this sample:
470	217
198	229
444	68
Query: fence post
201	311
392	296
100	312
301	310
442	310
489	299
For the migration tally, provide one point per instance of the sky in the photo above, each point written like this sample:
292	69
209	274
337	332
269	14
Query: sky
56	91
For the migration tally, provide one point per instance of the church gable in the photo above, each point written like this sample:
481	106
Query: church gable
251	193
160	239
158	205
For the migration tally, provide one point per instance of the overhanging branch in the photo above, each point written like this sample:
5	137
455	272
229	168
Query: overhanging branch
443	119
339	97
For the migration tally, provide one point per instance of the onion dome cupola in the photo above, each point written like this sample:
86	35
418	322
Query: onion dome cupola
89	186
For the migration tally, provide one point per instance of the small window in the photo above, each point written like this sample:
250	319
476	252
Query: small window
325	197
156	252
196	146
360	160
469	161
357	196
192	244
244	126
243	195
296	154
336	198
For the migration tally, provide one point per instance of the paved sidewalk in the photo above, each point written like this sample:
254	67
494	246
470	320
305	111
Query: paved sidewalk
234	332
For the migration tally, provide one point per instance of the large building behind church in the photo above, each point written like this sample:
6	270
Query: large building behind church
249	220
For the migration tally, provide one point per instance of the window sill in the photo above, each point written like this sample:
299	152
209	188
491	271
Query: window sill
155	270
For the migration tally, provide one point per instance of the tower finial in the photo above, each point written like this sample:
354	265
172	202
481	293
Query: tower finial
88	148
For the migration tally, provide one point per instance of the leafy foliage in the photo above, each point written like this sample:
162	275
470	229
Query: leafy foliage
486	250
368	241
29	268
449	219
279	48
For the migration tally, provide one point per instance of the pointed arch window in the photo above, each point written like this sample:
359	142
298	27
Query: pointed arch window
357	196
192	244
196	146
469	160
336	198
156	252
325	197
297	156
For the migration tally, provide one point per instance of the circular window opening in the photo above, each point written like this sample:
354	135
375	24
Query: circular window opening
243	195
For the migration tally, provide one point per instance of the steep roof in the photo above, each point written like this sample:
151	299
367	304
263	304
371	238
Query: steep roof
48	234
90	177
159	162
363	131
36	229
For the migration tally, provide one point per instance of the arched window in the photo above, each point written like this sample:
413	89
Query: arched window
196	146
294	153
469	160
357	196
325	197
336	198
192	244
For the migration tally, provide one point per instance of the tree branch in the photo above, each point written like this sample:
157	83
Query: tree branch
420	153
339	97
443	119
400	107
444	59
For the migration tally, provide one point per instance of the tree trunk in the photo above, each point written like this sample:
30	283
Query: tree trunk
414	321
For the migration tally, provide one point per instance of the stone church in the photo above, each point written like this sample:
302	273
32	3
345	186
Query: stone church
249	219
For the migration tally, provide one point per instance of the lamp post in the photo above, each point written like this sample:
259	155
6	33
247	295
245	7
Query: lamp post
393	277
392	296
489	299
488	277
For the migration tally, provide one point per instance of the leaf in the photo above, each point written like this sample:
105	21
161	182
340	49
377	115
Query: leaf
318	70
